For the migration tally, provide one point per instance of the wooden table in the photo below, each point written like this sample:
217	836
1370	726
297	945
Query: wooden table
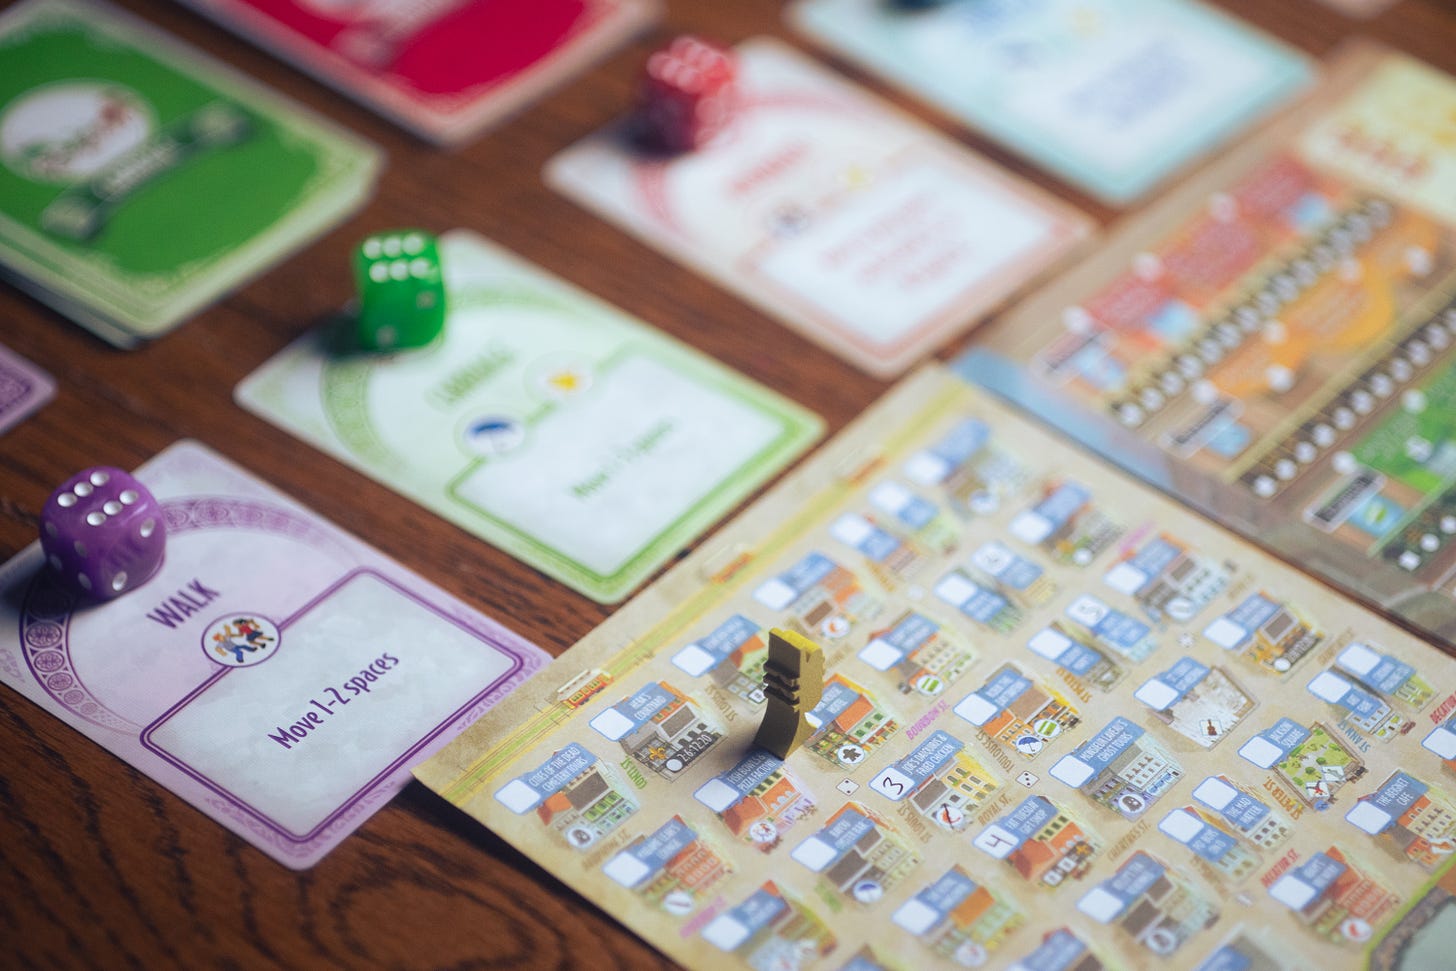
101	866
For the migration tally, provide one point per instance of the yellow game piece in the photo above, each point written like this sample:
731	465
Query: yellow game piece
793	682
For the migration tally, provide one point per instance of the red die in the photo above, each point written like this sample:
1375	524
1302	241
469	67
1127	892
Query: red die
687	95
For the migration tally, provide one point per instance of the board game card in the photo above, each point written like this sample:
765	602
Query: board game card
1111	95
277	673
445	69
847	220
24	388
543	421
1276	344
140	180
1060	712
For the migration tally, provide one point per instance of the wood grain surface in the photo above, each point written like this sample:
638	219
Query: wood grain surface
101	867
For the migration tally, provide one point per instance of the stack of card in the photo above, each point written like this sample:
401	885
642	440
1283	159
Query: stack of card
444	69
140	180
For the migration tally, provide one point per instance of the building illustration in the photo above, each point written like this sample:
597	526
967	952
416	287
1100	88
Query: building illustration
1151	904
950	797
732	655
1041	842
959	918
1334	897
1267	632
821	598
1121	767
1167	580
758	800
1201	703
849	722
893	560
1211	839
1409	816
1066	524
1018	711
574	794
1360	709
771	931
971	471
915	516
1081	660
673	867
924	655
1240	811
859	853
660	728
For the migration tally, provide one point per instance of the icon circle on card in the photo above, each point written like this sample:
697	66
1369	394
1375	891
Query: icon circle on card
834	627
1047	728
679	903
492	435
850	754
72	131
1029	744
868	891
950	817
560	378
1355	929
241	640
970	955
763	831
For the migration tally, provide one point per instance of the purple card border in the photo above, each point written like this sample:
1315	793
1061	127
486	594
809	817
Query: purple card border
36	389
518	663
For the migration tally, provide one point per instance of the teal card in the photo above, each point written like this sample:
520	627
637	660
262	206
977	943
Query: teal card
1111	95
139	180
577	439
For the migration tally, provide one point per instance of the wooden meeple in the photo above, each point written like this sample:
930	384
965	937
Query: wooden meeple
793	682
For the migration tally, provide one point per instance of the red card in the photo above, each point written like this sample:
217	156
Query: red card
443	68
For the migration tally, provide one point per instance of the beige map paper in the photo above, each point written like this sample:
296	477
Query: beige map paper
1066	724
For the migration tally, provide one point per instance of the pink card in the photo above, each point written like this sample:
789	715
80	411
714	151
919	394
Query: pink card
445	69
292	738
848	220
23	388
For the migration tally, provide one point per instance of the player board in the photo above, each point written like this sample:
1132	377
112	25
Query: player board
1111	95
276	672
1066	723
832	211
1276	344
140	180
574	437
445	69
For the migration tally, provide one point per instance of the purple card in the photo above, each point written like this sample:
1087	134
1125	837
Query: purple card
277	673
23	388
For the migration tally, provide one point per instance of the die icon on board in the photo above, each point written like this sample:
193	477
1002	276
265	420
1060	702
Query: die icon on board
103	533
401	290
687	95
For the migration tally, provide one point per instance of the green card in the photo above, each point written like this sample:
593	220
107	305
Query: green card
140	180
578	439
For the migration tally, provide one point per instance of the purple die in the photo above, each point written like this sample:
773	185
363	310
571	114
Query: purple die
102	532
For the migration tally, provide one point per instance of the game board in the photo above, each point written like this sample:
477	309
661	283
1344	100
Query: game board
1276	344
1063	717
277	673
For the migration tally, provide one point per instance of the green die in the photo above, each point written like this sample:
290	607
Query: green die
401	290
